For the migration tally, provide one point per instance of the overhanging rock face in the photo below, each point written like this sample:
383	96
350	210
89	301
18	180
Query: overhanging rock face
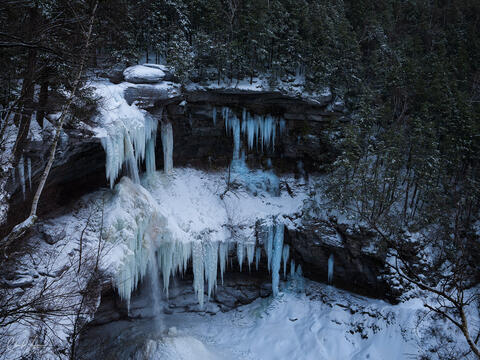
307	145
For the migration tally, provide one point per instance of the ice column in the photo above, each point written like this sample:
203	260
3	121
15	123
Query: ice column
211	264
214	116
150	156
151	125
269	247
21	174
285	254
167	144
258	254
223	254
240	254
198	270
277	257
155	290
232	124
132	167
250	254
330	268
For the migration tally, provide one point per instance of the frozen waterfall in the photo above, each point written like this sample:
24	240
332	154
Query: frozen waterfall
136	221
167	144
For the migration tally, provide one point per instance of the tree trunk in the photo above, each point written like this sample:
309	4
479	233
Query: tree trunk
20	229
42	98
61	120
27	91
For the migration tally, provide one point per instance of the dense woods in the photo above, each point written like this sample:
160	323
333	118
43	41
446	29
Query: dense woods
408	72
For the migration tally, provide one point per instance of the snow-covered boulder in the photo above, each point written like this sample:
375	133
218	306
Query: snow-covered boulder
144	74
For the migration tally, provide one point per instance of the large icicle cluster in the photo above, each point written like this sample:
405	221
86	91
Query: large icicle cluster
167	144
276	252
136	221
260	130
127	133
133	223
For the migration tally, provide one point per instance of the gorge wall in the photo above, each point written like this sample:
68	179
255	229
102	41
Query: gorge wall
306	147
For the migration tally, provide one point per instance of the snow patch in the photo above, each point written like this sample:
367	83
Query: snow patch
144	74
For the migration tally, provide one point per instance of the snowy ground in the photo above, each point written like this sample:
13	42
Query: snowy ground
322	324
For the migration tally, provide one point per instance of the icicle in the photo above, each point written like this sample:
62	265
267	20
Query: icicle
250	254
299	270
211	264
21	174
285	254
292	268
150	156
299	279
330	268
236	138
198	270
214	116
135	263
269	247
155	289
226	118
167	144
240	254
223	254
165	258
29	170
282	126
258	253
132	168
277	257
232	124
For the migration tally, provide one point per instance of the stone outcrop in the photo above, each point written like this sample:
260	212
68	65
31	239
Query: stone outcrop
358	263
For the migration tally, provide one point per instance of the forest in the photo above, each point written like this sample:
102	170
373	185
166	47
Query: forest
406	162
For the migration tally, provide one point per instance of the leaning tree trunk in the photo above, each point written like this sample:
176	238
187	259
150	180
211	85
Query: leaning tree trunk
23	227
61	120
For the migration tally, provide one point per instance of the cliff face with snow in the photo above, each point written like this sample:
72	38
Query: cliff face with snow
246	133
200	183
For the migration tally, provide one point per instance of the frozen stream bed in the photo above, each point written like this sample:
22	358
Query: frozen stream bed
325	323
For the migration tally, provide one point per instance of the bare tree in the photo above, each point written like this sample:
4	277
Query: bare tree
20	229
64	297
